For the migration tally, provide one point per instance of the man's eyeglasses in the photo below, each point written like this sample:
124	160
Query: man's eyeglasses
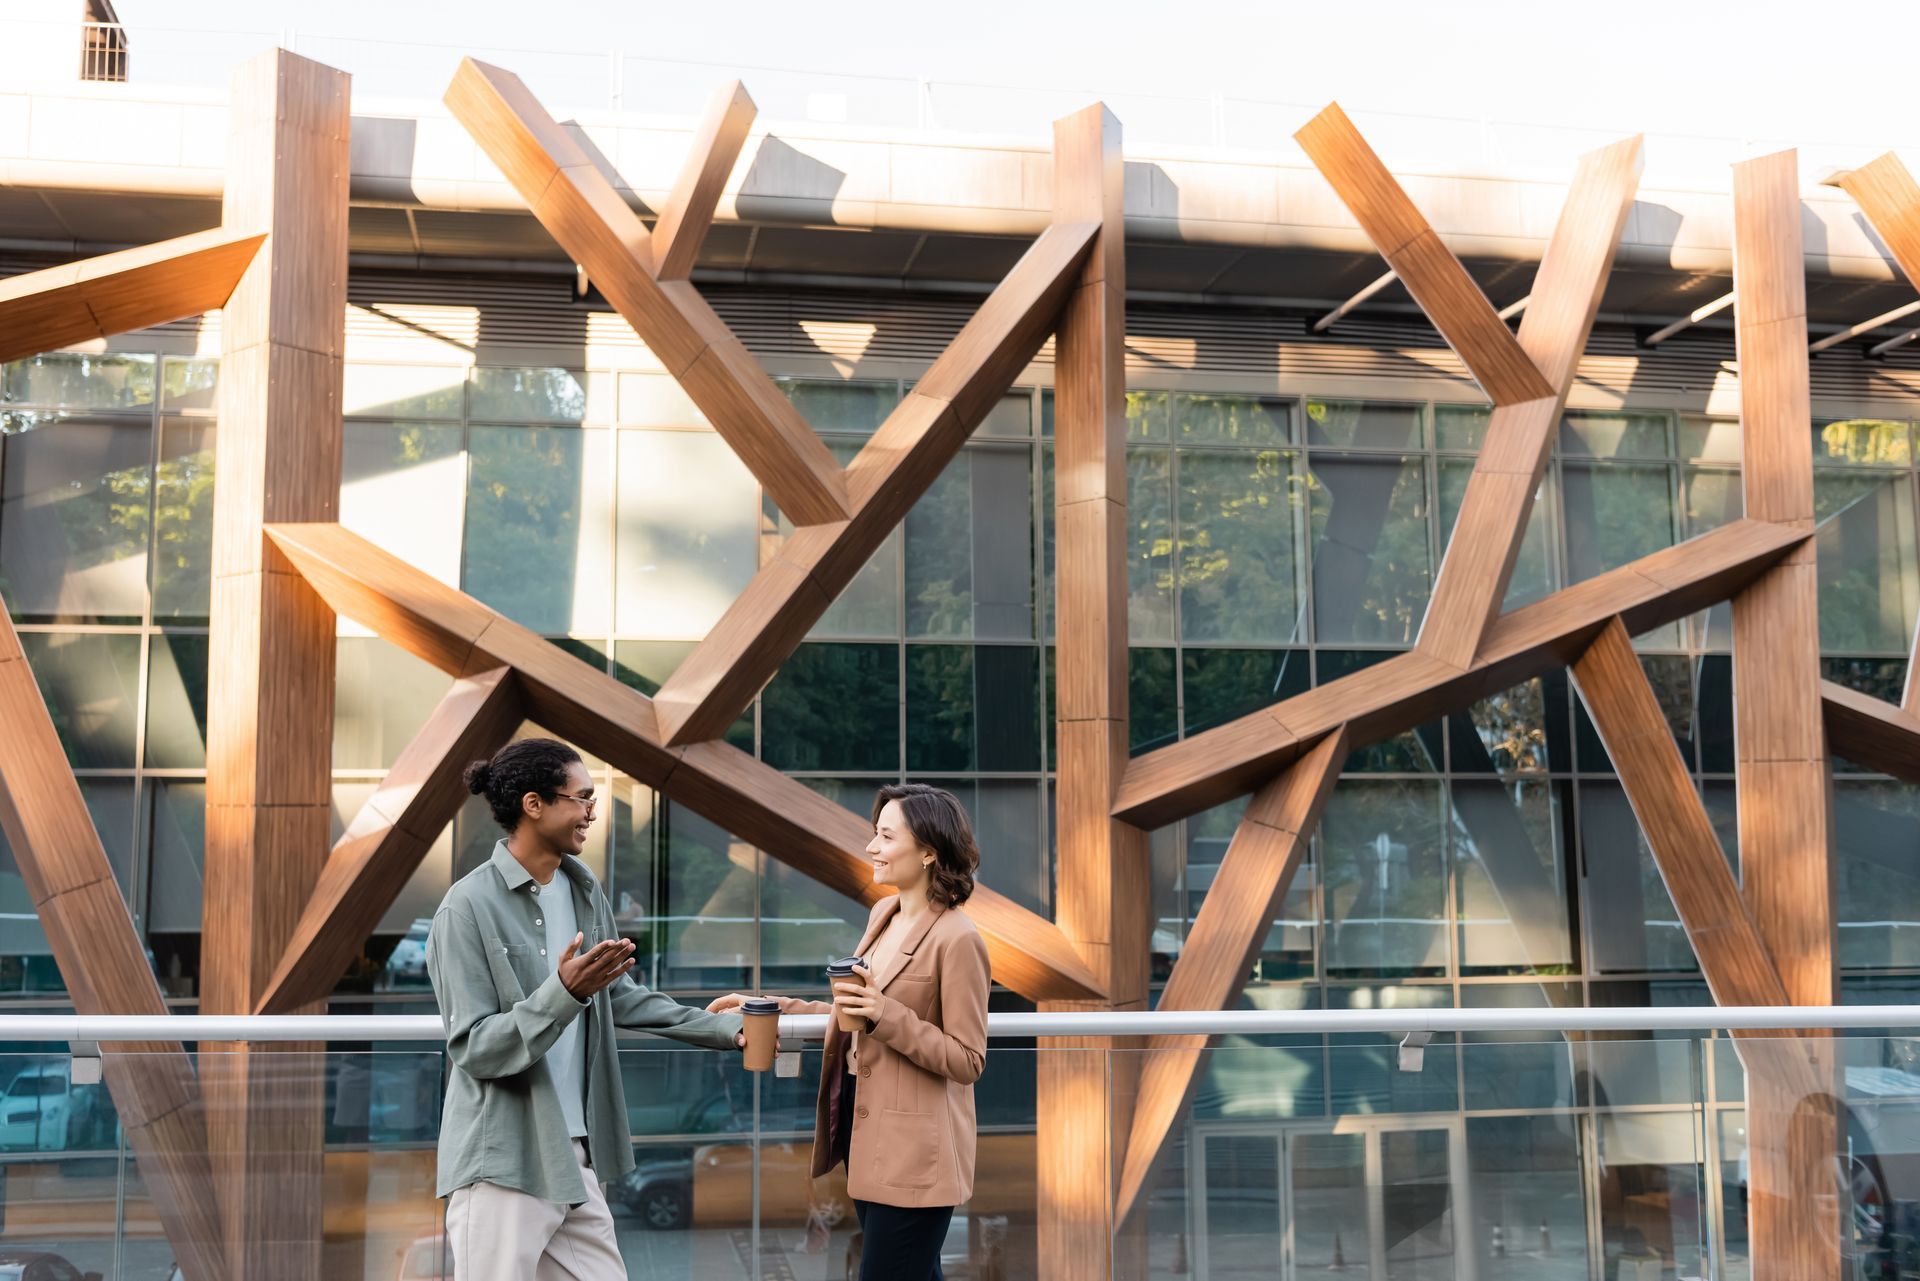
589	800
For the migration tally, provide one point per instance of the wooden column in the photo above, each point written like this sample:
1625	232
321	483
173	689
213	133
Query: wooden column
270	713
1101	871
1787	870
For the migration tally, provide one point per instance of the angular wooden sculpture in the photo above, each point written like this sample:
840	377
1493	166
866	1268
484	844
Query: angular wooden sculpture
286	916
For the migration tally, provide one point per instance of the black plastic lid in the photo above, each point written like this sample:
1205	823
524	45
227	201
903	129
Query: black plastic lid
760	1005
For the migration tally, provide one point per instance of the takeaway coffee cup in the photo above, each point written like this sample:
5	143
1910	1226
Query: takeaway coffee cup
843	971
760	1017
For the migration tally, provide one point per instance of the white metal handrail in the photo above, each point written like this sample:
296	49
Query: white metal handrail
328	1028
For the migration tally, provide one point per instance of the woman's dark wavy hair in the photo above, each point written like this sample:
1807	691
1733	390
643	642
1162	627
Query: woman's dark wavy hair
537	765
938	823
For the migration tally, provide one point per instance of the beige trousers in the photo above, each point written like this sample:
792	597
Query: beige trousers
503	1234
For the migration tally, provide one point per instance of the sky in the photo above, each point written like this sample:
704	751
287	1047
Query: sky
1803	71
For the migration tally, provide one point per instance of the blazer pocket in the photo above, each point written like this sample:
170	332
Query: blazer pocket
508	962
915	991
908	1153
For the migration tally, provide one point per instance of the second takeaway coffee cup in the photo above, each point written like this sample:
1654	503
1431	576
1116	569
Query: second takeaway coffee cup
760	1018
843	971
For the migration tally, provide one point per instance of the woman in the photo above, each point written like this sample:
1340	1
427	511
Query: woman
896	1099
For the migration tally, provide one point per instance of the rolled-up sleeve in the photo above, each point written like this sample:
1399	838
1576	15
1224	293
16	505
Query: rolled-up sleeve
483	1040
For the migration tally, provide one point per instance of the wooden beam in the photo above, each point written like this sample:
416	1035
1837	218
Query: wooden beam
1267	849
615	722
1392	697
688	213
1102	897
1786	864
576	203
1871	732
100	955
1733	957
767	621
270	711
1493	515
383	845
114	293
1890	198
1427	267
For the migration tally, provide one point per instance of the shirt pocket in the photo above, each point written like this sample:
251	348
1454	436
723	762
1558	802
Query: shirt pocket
511	965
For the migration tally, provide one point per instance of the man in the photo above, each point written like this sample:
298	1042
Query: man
531	977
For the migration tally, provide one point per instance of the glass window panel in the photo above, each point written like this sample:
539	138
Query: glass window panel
74	496
1632	923
1522	730
1231	420
870	604
1284	1077
1614	514
833	707
1651	1194
1533	569
188	384
26	957
1384	884
1286	952
972	707
1418	750
406	391
1149	414
969	550
1710	498
1713	723
1363	1074
1150	560
1011	416
1884	678
1862	442
1505	1070
1511	872
176	873
1876	829
177	701
803	925
657	400
646	665
1710	440
689	535
1153	702
1589	434
1240	518
183	521
539	526
402	487
1460	426
1869	564
831	405
1526	1194
80	379
1364	424
684	890
91	683
1372	568
534	395
382	696
1223	684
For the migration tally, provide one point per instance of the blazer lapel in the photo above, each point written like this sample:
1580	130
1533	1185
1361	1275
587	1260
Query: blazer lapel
878	924
907	948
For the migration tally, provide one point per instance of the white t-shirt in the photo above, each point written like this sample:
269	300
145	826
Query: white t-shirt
564	1060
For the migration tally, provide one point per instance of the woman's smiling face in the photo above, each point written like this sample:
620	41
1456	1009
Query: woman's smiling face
897	857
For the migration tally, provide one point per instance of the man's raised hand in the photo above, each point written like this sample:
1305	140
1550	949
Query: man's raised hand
599	965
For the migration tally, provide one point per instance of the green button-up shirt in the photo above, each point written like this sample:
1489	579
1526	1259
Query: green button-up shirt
504	1006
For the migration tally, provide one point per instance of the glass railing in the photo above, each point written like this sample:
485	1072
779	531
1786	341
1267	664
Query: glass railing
1484	1157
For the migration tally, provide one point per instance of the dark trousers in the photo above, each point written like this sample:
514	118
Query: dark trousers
901	1244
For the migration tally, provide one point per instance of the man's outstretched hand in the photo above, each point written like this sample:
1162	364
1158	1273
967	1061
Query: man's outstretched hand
593	969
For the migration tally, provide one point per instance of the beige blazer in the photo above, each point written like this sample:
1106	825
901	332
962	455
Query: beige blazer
913	1123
